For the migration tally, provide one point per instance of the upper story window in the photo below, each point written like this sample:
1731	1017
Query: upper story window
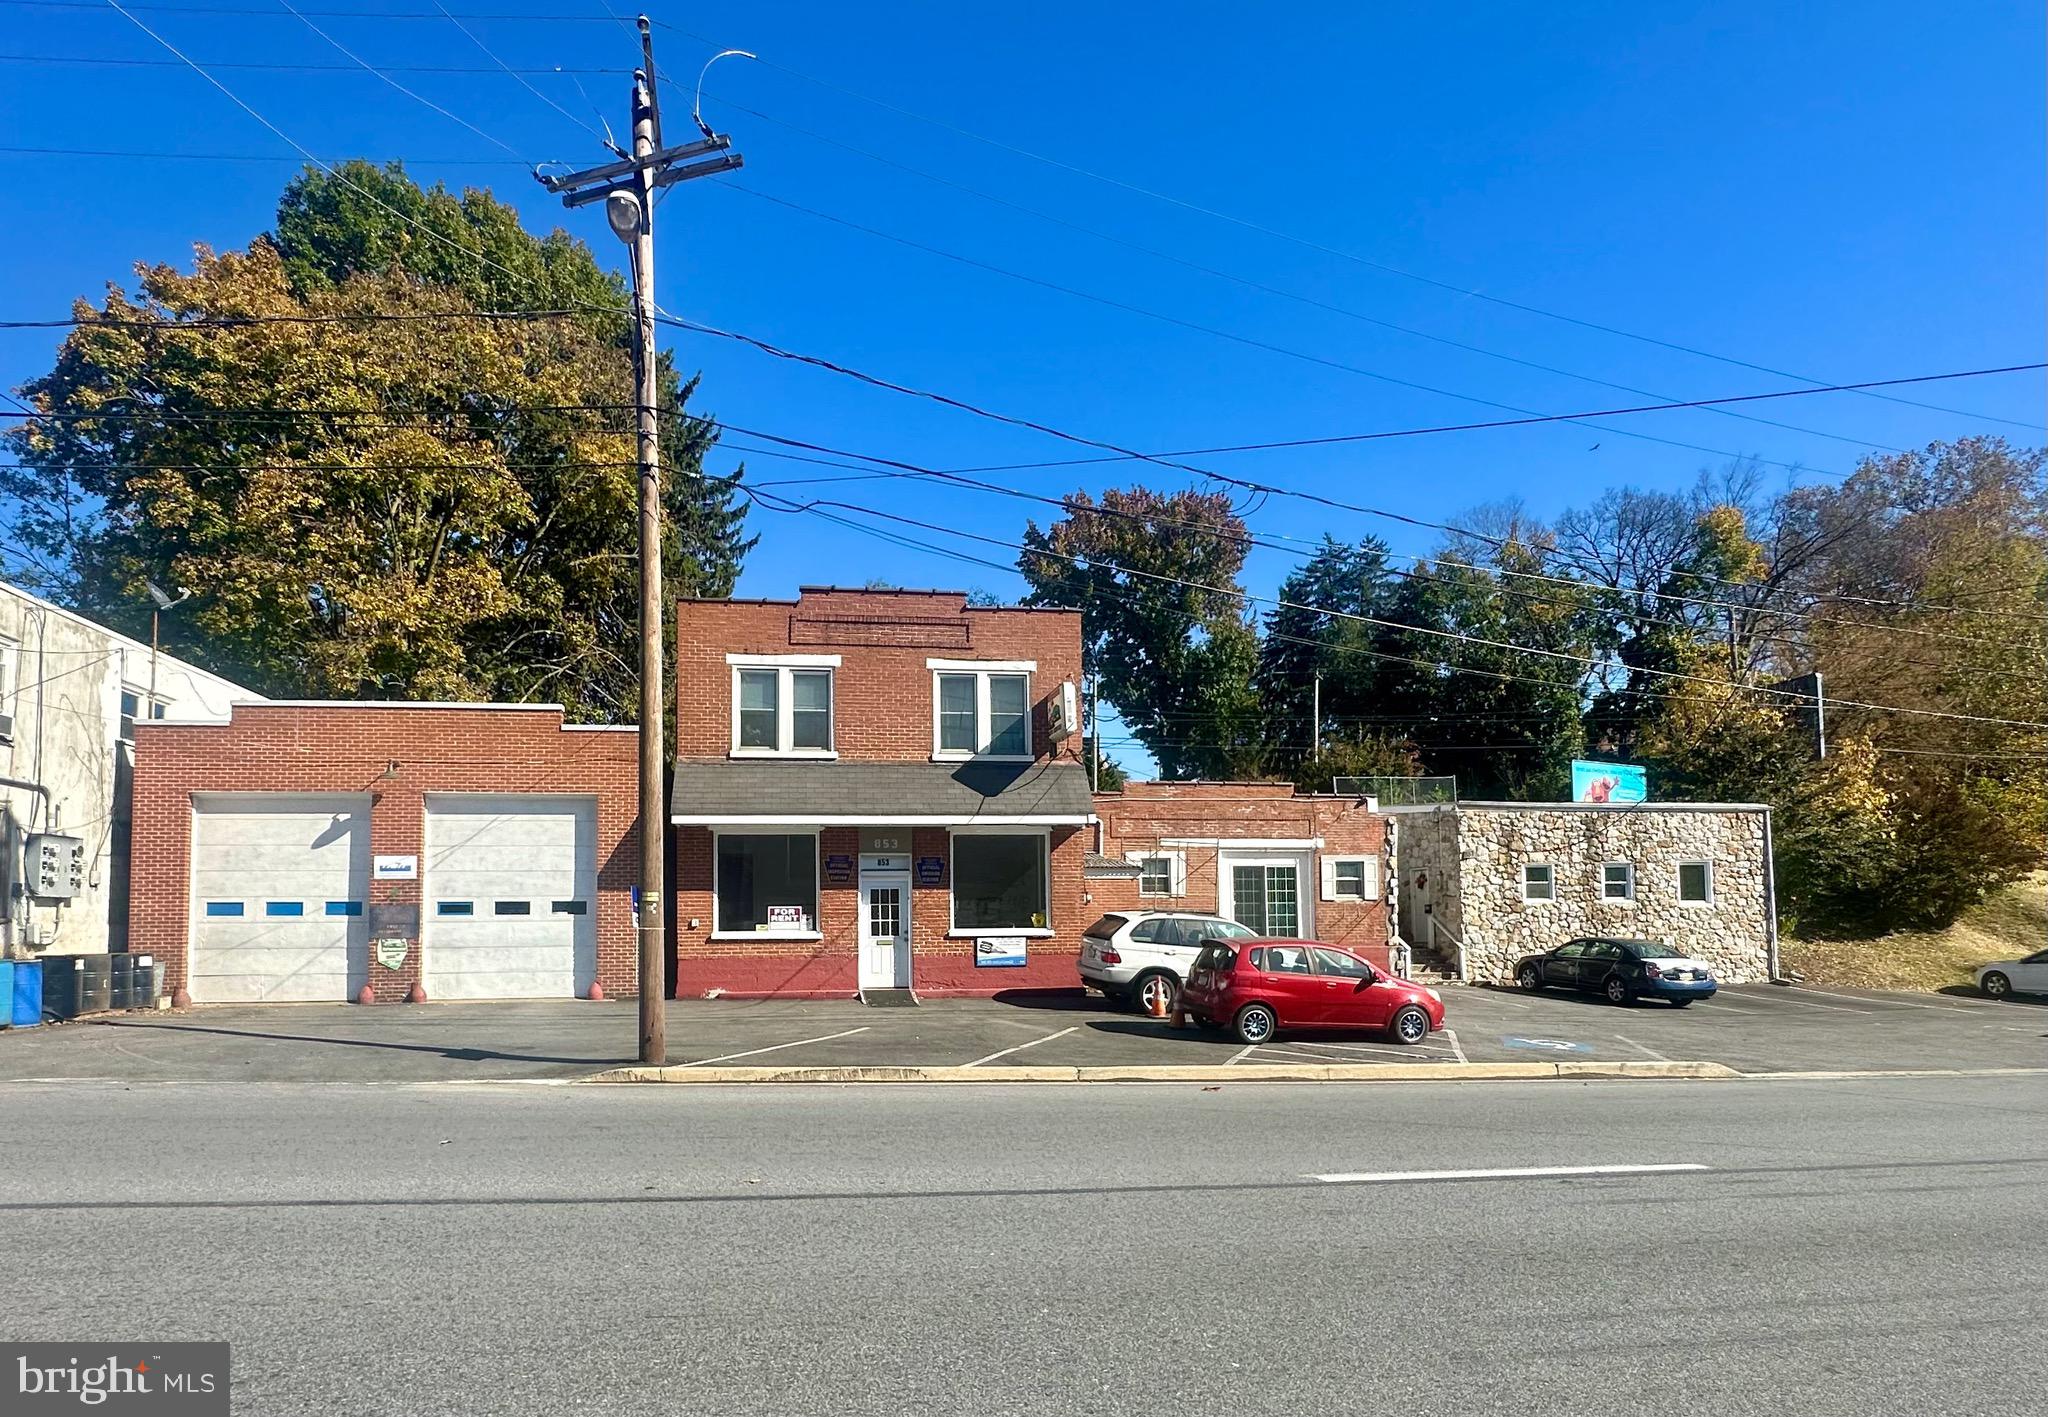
981	710
782	704
131	709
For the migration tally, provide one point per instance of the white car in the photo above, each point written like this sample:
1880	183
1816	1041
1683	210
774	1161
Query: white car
1144	955
2015	976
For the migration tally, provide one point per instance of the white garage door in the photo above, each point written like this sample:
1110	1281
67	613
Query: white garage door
511	896
279	883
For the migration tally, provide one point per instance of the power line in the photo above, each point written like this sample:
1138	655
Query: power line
108	61
1448	286
157	155
1427	631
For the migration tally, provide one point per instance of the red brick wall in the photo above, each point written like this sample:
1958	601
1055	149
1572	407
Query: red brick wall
347	747
882	692
1137	818
941	964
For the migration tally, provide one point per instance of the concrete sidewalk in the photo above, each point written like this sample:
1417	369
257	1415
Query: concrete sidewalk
1750	1029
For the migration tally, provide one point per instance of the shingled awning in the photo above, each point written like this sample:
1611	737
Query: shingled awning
1097	867
743	793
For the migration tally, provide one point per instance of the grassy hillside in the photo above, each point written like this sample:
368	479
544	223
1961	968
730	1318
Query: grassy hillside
2012	923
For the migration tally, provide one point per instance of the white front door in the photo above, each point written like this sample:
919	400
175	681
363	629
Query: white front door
884	931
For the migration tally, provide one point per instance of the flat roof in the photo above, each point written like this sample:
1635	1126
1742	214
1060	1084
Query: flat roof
1619	807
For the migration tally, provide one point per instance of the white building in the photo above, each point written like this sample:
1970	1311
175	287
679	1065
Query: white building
71	691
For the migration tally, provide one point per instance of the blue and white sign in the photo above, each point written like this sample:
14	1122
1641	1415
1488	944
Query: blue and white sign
998	952
1609	782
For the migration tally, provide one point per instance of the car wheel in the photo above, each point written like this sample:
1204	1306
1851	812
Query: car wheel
1410	1026
1157	993
1995	986
1255	1024
1618	991
1529	977
1680	1003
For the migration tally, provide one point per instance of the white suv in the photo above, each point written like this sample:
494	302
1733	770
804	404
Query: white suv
1143	955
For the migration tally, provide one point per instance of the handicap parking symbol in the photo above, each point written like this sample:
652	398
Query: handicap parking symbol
1547	1045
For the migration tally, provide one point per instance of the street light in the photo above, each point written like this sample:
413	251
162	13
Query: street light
163	602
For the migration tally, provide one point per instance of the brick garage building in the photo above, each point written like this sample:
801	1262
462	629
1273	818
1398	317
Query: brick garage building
876	791
494	840
1276	860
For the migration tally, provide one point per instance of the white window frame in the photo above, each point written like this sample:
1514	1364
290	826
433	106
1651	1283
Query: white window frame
1033	932
1549	866
1304	872
1369	883
783	664
817	887
1678	884
1628	897
1176	873
982	670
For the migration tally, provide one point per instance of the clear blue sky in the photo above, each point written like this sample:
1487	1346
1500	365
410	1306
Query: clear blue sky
1848	192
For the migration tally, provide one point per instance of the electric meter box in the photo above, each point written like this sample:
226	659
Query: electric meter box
54	865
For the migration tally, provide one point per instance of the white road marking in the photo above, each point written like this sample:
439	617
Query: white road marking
1780	998
1495	996
1505	1173
775	1048
1006	1052
1395	1049
1451	1037
1646	1052
1239	1054
1961	1006
1720	1008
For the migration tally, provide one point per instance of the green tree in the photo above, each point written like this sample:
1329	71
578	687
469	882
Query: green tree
372	488
1317	649
1357	753
1155	578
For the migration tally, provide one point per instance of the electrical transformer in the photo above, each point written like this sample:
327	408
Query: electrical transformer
54	865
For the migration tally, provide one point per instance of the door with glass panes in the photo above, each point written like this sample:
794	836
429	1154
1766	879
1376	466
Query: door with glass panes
884	930
1264	894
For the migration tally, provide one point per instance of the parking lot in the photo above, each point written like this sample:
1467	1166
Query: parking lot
1756	1028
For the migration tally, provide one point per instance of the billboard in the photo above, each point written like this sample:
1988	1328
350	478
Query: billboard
1609	782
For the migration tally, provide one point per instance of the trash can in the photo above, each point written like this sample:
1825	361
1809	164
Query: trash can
121	973
63	986
27	995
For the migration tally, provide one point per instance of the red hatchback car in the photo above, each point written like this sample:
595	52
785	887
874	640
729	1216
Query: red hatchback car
1257	987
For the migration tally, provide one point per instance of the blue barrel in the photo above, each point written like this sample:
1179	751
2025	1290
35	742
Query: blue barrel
6	991
27	993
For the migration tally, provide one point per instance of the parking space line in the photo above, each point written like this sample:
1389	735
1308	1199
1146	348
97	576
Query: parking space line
1807	1004
1504	1173
1495	996
1006	1052
1960	1007
1451	1037
1248	1048
1650	1053
1718	1007
775	1048
1398	1051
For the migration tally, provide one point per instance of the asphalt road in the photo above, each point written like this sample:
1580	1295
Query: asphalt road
1861	1248
1752	1028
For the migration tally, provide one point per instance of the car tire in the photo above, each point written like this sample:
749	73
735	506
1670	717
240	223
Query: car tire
1409	1026
1256	1023
1996	985
1617	991
1158	984
1530	978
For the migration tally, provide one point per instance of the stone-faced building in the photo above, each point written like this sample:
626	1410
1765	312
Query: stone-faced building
1484	883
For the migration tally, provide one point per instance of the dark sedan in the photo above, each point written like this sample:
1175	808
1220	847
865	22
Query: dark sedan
1623	970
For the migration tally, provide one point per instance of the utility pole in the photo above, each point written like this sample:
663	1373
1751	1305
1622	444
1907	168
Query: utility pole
1315	732
1095	728
627	189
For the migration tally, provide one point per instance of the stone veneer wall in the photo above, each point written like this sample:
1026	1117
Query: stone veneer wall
1499	927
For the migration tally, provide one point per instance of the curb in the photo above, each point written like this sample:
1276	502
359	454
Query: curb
1207	1073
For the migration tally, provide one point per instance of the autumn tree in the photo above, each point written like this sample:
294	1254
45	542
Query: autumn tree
1154	575
378	471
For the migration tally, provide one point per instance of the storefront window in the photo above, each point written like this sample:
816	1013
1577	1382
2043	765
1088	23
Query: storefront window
999	882
768	884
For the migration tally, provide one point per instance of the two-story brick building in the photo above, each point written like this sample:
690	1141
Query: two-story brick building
874	791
